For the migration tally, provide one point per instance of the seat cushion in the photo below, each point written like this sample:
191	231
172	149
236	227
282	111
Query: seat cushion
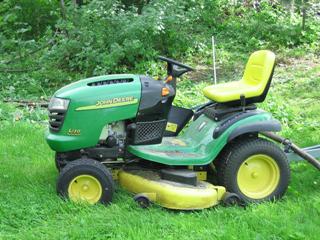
227	92
254	84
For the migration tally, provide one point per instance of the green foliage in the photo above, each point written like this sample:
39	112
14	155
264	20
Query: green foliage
293	99
115	39
10	113
27	19
45	44
270	27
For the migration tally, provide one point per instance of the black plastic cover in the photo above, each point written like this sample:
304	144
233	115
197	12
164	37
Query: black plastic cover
154	106
179	116
153	112
184	176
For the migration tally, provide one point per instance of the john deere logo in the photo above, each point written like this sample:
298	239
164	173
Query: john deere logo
113	102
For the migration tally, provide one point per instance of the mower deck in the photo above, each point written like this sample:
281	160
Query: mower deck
168	194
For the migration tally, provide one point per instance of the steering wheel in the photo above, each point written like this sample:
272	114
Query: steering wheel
176	63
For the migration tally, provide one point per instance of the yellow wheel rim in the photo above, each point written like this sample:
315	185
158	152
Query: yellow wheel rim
258	176
85	188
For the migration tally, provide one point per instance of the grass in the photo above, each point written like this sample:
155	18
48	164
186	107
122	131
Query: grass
30	208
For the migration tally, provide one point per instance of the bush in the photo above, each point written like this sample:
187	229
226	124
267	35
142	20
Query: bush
105	36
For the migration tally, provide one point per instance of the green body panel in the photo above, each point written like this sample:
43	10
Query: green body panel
91	108
196	146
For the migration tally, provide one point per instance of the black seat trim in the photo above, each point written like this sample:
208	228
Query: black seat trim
229	121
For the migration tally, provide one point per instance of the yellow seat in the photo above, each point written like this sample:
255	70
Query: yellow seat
254	84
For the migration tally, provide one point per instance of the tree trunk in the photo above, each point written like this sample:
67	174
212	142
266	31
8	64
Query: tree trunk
63	14
63	9
78	3
292	9
304	14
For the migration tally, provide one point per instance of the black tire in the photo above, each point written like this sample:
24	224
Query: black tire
231	199
59	162
86	167
237	153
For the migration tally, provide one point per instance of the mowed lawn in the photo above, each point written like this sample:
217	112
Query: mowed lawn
30	208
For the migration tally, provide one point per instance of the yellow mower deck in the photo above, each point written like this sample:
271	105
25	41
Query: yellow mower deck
169	194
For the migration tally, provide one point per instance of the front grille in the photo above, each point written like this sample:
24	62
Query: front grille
149	132
108	82
56	118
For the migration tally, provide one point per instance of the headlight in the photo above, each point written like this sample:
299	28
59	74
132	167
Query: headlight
58	104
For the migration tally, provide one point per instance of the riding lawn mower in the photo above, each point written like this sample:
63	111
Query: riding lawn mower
123	128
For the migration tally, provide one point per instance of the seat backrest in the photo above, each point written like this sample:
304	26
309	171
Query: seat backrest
259	71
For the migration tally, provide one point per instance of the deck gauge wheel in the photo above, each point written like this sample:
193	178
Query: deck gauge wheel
232	199
142	200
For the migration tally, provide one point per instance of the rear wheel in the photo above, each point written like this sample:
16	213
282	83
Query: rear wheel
255	169
86	180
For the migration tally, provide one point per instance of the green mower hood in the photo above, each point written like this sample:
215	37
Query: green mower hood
91	104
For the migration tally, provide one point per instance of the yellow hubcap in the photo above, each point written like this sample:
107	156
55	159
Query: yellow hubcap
85	188
258	176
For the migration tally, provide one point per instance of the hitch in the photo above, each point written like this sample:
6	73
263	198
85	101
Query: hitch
294	148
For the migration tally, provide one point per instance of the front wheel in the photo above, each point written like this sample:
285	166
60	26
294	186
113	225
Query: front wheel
59	162
255	169
86	180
